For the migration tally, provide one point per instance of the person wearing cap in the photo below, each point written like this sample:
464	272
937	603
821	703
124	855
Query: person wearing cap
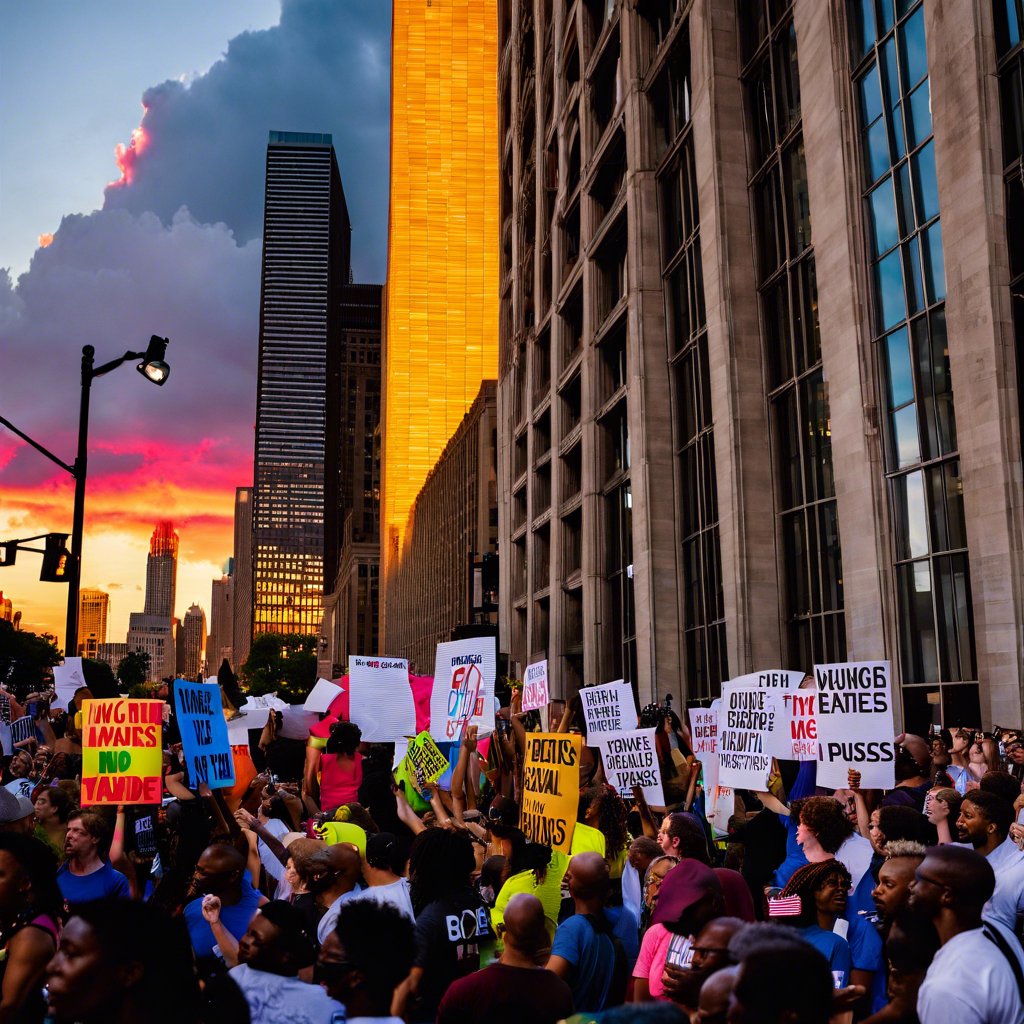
16	813
86	874
381	867
690	897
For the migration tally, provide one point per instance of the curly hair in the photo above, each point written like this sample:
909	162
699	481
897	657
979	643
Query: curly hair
906	823
826	819
611	817
806	881
440	863
344	739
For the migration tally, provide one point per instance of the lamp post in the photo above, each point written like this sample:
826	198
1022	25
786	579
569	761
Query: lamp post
154	368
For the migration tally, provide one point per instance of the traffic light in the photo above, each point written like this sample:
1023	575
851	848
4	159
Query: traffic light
56	559
8	552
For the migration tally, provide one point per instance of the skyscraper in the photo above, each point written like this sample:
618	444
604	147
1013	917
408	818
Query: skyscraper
241	628
305	262
192	643
441	320
162	571
222	608
93	607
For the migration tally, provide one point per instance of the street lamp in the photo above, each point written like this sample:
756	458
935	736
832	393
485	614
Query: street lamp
154	368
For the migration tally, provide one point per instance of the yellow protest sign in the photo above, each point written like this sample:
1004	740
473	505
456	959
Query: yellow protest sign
551	788
425	757
122	751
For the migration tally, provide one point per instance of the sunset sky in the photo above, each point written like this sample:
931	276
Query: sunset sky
161	236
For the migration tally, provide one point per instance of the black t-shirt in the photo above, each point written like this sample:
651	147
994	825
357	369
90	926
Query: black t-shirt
141	832
453	937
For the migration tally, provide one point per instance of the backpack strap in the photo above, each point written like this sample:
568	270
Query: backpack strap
999	940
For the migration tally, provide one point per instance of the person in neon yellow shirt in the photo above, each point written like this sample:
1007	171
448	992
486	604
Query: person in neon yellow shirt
534	869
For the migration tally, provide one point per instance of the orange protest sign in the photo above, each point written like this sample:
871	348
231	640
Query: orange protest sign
122	751
551	788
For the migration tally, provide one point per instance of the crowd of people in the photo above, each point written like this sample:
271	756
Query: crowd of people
319	889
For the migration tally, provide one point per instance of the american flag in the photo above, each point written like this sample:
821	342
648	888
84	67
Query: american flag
785	906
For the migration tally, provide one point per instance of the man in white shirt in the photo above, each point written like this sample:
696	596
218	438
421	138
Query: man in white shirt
984	822
271	953
977	976
380	873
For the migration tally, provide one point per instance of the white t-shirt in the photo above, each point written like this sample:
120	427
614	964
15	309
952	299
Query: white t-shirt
971	982
394	893
632	889
330	919
273	998
855	855
1007	861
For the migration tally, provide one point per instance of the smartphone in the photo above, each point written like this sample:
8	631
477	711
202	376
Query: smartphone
33	708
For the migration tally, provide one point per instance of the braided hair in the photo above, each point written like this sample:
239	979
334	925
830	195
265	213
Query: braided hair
806	881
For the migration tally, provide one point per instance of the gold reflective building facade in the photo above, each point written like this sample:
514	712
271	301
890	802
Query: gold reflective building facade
441	320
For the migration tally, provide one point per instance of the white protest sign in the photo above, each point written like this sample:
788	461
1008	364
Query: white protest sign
770	679
719	803
380	698
704	730
296	722
854	723
746	721
67	678
535	686
322	696
463	693
799	716
631	759
608	708
238	730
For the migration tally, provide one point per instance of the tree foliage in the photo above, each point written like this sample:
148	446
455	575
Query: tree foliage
133	668
25	658
281	662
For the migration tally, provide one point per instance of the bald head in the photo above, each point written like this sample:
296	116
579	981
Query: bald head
917	747
967	874
222	857
524	925
715	993
588	876
335	868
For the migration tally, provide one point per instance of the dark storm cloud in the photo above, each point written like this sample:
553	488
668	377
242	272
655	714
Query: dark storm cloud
324	68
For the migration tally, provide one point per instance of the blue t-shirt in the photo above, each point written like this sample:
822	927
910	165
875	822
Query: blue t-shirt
868	954
235	919
592	955
834	949
98	885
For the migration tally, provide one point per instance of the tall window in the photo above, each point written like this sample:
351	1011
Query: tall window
1009	18
901	206
811	573
706	661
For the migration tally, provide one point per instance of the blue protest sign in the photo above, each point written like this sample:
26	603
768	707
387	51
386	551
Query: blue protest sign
204	734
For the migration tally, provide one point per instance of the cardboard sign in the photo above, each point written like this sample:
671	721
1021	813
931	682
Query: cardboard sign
463	693
704	730
746	721
631	759
551	788
322	696
535	686
425	759
608	708
204	734
122	751
854	723
801	721
66	679
380	699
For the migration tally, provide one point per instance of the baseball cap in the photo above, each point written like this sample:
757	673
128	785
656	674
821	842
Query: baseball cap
14	808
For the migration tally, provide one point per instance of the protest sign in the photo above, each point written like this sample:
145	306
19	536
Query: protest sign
426	762
66	679
704	730
463	693
204	734
770	679
122	751
535	686
719	804
380	699
296	722
608	707
631	759
854	724
800	719
322	696
746	721
551	788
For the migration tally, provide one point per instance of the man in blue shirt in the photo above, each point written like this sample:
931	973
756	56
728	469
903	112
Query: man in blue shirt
86	874
220	872
594	950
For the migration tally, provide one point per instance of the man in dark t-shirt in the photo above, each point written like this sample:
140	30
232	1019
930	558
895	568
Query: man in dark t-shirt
515	989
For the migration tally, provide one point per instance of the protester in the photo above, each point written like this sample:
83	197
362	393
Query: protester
52	807
975	974
335	874
594	949
222	903
942	807
681	835
642	852
16	813
760	993
86	875
516	988
709	955
364	960
534	869
895	875
341	766
273	950
910	946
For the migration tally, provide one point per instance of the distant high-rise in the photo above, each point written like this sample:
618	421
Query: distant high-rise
93	608
441	320
161	572
218	646
305	262
241	630
192	643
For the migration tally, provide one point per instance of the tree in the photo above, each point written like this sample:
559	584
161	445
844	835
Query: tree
281	662
99	677
25	658
133	668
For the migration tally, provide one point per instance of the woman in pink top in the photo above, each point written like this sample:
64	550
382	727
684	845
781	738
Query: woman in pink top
341	767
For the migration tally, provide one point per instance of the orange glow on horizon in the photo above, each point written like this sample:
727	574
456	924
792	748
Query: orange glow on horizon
45	240
441	313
